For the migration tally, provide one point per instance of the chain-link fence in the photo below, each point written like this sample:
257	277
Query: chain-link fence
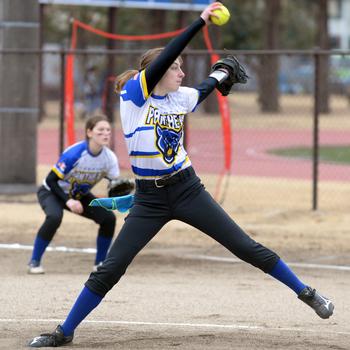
290	136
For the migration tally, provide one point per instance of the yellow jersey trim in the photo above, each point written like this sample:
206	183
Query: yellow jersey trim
144	85
60	175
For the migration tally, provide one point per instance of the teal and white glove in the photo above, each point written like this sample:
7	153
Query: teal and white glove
120	203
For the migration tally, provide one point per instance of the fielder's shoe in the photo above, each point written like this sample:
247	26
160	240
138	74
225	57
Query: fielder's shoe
322	306
35	268
52	340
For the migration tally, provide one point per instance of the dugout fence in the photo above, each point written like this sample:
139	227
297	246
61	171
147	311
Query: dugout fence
262	143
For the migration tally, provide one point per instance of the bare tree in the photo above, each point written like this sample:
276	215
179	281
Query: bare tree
323	43
210	104
19	103
158	20
269	64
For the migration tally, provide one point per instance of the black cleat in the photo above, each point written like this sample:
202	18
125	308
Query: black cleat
52	340
322	306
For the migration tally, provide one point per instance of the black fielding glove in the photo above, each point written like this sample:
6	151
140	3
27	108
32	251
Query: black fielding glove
236	73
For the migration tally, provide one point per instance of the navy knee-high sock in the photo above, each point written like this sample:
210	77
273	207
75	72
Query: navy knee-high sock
39	248
284	274
102	246
85	303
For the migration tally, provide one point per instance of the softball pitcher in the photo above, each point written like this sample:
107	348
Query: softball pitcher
68	185
153	106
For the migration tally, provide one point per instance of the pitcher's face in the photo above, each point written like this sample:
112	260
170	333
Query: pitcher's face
172	79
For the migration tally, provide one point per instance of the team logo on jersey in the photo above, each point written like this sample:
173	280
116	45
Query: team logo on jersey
168	129
168	142
82	181
77	190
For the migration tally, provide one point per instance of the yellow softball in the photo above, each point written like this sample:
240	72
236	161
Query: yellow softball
223	16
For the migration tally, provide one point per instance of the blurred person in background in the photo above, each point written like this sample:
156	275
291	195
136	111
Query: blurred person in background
92	90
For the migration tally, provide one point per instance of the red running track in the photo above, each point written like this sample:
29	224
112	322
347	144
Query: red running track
250	155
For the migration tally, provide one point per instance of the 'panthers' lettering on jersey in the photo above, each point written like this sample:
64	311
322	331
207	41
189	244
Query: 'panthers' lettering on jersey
153	127
79	170
171	121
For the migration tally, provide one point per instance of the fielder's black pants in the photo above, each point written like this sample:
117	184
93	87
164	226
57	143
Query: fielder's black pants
54	206
186	201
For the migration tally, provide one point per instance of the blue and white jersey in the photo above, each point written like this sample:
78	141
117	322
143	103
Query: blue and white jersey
79	170
153	127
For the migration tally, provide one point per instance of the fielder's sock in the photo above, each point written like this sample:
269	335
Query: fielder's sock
102	246
85	303
284	274
39	248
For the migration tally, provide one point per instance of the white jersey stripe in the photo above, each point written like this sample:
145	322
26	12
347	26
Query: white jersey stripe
154	173
142	128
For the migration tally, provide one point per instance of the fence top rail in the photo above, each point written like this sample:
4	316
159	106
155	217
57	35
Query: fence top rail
313	52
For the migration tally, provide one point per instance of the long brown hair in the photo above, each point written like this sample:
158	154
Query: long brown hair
145	61
92	121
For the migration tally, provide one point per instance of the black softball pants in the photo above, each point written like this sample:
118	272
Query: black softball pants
54	206
186	201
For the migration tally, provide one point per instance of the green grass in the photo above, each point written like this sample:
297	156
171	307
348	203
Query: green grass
332	154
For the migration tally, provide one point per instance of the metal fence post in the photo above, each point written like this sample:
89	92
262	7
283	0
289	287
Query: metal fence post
315	149
62	102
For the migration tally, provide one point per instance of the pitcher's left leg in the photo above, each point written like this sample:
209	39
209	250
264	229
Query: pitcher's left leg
206	215
202	212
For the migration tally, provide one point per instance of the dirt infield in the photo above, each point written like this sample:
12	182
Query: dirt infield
184	291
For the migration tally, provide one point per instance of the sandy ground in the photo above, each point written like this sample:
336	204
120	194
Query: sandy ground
173	296
184	291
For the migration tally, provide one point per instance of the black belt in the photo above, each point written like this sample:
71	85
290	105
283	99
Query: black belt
166	180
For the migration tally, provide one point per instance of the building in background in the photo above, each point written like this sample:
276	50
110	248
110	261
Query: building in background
339	24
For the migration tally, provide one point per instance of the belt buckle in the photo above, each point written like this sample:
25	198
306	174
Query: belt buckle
162	178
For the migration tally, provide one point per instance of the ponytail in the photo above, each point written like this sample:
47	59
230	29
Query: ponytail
145	60
123	78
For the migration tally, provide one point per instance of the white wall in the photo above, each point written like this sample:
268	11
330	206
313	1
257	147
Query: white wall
340	27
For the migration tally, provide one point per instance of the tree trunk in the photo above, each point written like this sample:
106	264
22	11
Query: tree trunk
323	43
109	84
158	20
269	64
210	104
19	103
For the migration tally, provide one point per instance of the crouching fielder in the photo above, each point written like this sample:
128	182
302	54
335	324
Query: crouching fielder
68	186
153	106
